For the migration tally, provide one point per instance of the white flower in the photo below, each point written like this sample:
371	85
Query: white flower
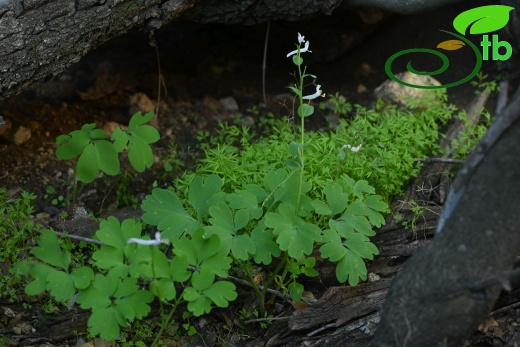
319	92
353	149
155	242
301	38
302	50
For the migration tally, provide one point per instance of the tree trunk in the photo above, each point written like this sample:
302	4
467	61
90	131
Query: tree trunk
448	287
40	38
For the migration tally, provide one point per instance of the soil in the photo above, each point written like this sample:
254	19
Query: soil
200	65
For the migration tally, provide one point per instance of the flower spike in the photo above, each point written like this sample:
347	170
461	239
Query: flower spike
302	50
318	93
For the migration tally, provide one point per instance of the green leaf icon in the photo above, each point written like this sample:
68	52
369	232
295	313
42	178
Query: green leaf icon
483	19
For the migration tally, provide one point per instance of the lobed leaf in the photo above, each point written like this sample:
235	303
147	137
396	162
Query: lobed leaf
265	247
164	209
72	145
294	235
361	245
205	192
61	285
87	167
351	267
49	251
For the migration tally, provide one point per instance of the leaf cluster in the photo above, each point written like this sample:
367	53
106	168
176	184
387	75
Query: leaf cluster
391	139
129	276
96	153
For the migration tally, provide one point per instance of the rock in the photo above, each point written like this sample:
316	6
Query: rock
23	328
229	103
394	92
109	127
18	136
211	103
140	102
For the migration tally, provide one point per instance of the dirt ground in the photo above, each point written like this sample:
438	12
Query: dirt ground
200	65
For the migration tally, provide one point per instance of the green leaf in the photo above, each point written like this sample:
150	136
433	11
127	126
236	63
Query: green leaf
305	110
483	19
361	245
337	199
226	225
98	294
104	322
39	272
72	145
321	208
295	90
163	289
362	186
120	139
375	205
107	156
205	192
204	292
111	258
242	247
87	167
139	119
140	154
141	136
221	293
203	252
295	291
351	267
61	285
111	233
129	294
179	269
97	134
265	247
114	303
164	209
49	251
297	60
355	216
244	199
332	249
82	277
294	235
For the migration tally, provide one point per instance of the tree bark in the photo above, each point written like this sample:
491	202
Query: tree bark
40	38
448	287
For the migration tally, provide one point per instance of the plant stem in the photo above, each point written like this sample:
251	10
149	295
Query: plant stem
166	321
281	265
260	294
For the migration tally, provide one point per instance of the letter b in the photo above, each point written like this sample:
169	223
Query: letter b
496	45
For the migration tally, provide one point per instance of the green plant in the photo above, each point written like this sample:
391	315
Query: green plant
60	200
17	232
96	153
481	83
337	104
280	217
468	139
391	139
